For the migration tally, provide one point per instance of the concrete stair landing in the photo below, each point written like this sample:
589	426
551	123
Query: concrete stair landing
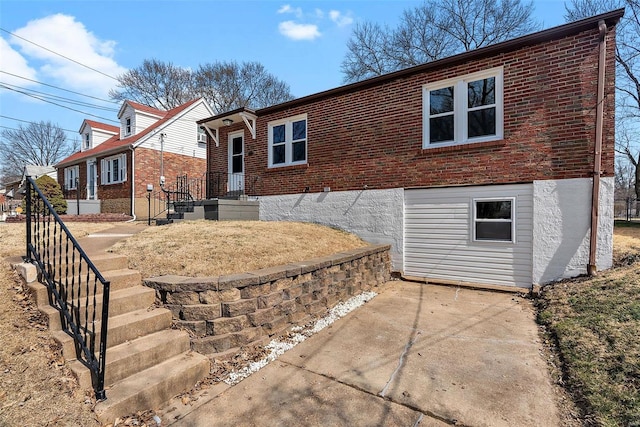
147	363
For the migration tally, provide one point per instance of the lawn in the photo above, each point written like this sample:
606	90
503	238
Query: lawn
595	323
210	248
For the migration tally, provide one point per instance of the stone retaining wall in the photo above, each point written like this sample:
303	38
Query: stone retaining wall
226	312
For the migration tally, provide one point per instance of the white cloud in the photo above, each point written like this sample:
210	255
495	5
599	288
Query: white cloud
340	19
296	31
66	36
14	63
288	9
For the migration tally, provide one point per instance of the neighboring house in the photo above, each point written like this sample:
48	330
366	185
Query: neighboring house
115	164
476	168
13	190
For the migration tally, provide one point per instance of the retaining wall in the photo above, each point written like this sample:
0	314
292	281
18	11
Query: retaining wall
230	311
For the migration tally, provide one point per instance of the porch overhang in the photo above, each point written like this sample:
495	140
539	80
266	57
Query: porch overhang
213	124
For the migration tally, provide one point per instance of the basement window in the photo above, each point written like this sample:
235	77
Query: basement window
493	220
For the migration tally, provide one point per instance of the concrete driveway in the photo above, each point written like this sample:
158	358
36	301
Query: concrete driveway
414	355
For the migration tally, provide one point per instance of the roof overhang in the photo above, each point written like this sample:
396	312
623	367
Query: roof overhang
213	124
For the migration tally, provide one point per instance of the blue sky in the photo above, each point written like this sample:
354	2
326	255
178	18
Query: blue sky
302	43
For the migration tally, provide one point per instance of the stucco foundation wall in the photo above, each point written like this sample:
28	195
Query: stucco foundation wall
561	223
86	207
376	216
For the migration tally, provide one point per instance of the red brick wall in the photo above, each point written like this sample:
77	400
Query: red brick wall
148	168
116	198
373	136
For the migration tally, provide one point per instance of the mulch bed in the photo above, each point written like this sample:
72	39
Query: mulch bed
102	217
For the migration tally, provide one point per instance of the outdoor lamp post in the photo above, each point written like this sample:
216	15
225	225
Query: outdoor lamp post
149	190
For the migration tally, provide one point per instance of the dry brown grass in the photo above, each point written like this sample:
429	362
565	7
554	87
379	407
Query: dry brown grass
211	248
36	387
626	242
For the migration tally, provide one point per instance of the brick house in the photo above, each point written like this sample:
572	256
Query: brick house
476	168
116	163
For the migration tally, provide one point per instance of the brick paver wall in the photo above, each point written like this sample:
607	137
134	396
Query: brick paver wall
231	311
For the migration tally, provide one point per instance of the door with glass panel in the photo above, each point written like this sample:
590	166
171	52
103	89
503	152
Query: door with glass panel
235	184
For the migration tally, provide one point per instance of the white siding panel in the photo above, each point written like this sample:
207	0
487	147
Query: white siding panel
438	241
181	135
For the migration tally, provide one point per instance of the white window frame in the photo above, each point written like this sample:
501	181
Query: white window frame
475	219
70	175
288	140
87	140
202	135
107	169
461	108
127	126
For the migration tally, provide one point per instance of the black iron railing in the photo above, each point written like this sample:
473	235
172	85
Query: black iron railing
76	287
222	185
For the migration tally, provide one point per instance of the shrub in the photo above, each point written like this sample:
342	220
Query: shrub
52	191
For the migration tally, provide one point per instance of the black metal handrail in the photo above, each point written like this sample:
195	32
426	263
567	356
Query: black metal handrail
230	185
73	282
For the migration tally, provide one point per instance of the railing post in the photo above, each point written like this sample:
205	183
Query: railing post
27	256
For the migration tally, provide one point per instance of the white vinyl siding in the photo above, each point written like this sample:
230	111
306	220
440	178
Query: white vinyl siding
439	241
70	175
113	169
181	135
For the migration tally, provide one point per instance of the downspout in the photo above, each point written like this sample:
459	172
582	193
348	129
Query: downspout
133	185
597	157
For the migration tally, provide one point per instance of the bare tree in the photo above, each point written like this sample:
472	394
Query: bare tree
40	144
627	75
225	85
229	85
155	83
433	30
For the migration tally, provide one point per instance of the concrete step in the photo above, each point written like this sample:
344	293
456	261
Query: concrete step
120	302
103	262
128	358
122	328
119	279
150	388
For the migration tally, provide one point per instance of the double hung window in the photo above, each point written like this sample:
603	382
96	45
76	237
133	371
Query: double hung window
288	141
71	177
493	220
113	169
463	110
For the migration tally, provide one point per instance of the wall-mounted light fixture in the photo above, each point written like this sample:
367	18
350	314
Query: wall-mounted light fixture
227	122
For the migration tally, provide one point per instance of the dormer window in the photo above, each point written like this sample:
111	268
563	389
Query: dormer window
87	140
127	126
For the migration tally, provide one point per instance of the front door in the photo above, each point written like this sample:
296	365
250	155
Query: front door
236	163
92	181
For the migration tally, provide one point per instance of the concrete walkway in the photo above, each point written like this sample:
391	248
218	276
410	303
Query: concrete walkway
98	243
415	355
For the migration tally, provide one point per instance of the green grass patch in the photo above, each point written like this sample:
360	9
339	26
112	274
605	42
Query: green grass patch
625	223
596	324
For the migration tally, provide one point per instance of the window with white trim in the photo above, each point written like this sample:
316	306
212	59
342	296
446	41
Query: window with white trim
202	135
71	174
127	126
494	220
113	169
87	140
288	141
463	110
